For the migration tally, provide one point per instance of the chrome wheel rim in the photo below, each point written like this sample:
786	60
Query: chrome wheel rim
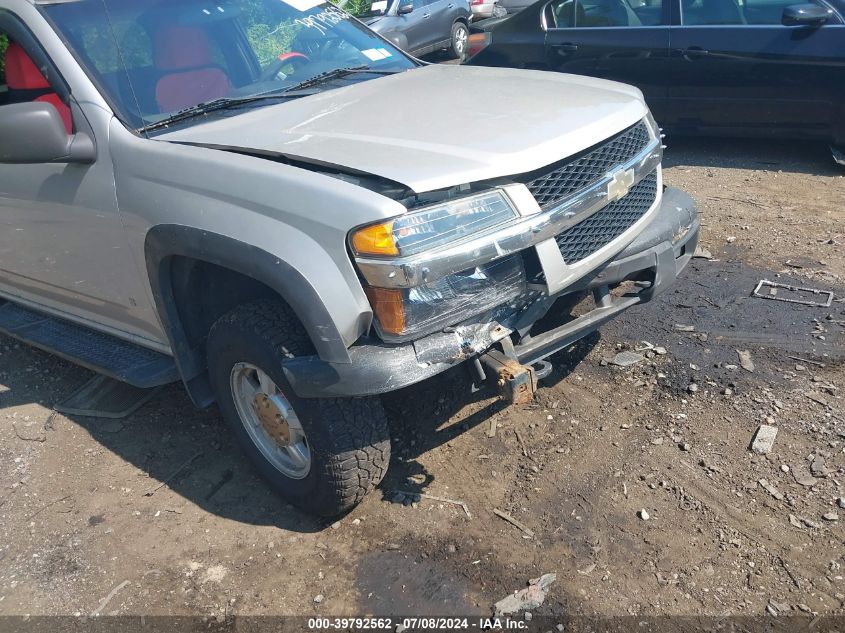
270	421
461	36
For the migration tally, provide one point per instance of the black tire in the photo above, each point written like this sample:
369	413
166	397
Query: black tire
348	438
458	43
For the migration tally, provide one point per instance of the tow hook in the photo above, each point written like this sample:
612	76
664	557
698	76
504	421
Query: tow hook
515	382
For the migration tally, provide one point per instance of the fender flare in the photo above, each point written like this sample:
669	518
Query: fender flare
166	241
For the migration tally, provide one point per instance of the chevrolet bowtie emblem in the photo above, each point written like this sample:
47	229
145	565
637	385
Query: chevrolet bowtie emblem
620	183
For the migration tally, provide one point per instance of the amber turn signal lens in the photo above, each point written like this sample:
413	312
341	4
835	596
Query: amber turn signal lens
477	42
388	307
375	240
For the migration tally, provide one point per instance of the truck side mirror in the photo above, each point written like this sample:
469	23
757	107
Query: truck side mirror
33	132
805	15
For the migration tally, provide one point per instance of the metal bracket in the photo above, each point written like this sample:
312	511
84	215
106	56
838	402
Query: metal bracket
516	382
814	291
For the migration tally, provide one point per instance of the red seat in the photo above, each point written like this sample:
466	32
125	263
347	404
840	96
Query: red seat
185	53
23	75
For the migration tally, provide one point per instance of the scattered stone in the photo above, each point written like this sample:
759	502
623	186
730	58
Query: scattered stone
830	516
745	360
702	253
686	447
525	599
784	468
626	359
680	327
776	608
727	391
810	523
764	439
841	502
693	387
765	485
795	522
335	525
730	239
643	515
318	598
802	476
818	468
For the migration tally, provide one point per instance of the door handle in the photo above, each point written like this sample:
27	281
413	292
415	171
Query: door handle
565	48
426	16
694	52
451	6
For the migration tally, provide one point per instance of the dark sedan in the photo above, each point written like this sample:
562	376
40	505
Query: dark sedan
768	68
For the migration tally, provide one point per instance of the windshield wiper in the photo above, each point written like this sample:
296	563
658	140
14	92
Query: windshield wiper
288	93
337	73
217	104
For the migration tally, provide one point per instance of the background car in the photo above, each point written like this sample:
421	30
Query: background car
768	68
484	9
515	6
418	27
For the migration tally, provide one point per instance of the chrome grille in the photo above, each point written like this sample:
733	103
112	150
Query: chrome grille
606	225
571	176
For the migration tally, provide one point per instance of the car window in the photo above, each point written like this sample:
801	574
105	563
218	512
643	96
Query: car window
711	12
735	12
604	13
366	8
4	43
24	81
559	14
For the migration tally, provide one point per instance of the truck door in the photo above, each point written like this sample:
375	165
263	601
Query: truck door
62	243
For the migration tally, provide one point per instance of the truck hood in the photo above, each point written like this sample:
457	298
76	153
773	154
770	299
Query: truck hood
435	126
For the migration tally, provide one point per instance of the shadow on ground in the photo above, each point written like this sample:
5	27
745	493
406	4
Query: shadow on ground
808	157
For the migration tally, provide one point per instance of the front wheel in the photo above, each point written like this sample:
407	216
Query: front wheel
460	37
322	455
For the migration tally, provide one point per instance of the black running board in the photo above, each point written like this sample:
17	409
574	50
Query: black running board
99	352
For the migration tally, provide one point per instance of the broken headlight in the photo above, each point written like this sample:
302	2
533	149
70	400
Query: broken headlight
405	312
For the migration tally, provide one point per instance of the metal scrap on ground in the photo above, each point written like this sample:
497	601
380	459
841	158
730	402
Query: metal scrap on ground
505	516
773	287
423	495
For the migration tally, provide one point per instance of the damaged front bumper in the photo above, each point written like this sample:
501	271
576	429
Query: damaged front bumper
652	262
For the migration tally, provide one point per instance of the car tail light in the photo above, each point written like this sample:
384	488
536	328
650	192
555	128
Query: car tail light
476	2
478	42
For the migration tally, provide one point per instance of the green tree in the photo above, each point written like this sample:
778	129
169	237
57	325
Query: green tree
4	44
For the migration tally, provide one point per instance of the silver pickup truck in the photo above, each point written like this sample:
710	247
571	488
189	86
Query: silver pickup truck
272	204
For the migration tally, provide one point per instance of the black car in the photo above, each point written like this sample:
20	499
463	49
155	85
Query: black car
768	68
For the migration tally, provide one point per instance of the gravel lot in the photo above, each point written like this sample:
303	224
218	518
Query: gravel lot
602	448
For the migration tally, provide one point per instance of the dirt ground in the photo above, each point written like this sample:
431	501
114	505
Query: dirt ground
603	448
